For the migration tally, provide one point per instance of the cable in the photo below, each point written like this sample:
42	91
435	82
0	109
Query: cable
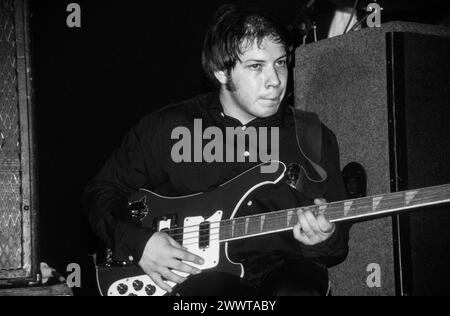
355	8
354	28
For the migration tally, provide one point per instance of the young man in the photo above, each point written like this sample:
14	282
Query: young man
246	54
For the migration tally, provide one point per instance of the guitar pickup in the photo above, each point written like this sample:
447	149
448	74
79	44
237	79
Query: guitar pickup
204	235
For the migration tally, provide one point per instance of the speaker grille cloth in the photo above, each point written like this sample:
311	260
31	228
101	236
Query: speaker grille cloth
10	178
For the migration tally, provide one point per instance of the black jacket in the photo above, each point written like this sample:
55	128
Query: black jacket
144	161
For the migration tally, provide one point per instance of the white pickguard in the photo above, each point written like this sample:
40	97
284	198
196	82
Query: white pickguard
144	286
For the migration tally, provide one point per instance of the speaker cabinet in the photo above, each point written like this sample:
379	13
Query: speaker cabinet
385	92
18	207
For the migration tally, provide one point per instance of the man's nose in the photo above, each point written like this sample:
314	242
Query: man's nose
273	78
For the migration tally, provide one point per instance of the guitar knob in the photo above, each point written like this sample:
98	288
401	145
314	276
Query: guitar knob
150	290
122	289
132	294
138	285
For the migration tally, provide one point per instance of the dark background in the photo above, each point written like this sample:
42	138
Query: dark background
93	83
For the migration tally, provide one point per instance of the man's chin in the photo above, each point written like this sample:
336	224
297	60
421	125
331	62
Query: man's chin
268	111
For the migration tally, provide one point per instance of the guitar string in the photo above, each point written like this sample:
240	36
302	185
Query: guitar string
268	221
282	215
231	238
270	216
335	208
225	239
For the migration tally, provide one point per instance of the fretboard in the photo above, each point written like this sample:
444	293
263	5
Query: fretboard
359	209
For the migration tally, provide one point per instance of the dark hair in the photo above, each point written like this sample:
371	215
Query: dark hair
234	29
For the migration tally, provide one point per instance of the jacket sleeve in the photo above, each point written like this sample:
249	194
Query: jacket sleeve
334	250
135	165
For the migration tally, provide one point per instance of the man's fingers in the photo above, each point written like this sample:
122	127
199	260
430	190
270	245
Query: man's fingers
305	226
312	221
173	243
156	276
324	225
187	256
159	282
320	202
312	230
169	275
182	267
300	236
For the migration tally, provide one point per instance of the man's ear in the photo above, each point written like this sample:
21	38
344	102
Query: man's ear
221	76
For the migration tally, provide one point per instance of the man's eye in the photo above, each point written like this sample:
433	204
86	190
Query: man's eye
256	66
282	63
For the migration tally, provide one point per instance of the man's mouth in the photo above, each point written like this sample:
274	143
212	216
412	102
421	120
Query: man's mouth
275	99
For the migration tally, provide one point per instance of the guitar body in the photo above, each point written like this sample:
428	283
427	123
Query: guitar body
194	221
204	223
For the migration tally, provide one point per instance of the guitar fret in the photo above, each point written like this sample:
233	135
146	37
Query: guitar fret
376	202
224	232
290	215
263	219
409	196
272	222
347	207
253	226
239	227
247	221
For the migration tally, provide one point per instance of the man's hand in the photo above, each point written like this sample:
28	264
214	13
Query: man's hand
311	230
163	254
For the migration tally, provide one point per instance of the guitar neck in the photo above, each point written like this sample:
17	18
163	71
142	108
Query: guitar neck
358	209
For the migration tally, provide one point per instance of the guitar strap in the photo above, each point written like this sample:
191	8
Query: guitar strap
308	128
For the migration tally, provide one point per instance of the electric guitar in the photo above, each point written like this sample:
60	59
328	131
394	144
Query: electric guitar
211	220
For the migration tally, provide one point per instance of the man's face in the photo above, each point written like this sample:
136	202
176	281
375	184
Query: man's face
258	82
